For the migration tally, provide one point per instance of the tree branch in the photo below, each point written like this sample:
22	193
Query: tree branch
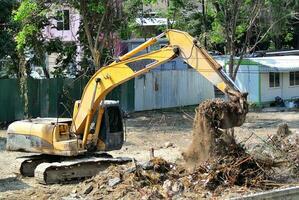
100	26
86	27
269	29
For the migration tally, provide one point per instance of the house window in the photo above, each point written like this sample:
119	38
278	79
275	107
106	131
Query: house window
294	78
63	20
274	80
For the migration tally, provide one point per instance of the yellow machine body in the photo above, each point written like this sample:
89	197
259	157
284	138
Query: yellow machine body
43	136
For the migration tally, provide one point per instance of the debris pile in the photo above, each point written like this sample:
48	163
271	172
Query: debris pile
218	163
130	181
157	178
283	147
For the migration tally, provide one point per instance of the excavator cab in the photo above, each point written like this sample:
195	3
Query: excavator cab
106	132
111	133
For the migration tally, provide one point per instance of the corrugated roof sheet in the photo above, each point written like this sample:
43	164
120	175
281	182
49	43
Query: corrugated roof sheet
278	63
271	63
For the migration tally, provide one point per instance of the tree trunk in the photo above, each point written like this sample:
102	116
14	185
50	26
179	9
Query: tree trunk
231	66
204	22
96	59
23	82
45	70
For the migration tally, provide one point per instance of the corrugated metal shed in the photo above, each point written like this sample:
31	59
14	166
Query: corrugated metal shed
171	88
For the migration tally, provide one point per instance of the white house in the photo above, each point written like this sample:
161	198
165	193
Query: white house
265	78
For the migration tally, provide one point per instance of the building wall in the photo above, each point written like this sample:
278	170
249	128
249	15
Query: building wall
171	84
248	81
289	92
285	91
171	88
51	62
65	35
268	93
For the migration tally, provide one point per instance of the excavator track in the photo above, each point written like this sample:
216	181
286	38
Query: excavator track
59	172
55	169
27	164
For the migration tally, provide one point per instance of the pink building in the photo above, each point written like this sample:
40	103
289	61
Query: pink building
65	28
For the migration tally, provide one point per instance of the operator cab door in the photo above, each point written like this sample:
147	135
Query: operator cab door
112	131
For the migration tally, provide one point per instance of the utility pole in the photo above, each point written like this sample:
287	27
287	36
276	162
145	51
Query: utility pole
204	22
168	23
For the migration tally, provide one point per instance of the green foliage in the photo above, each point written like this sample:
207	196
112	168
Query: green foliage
216	34
8	54
31	16
100	22
175	12
27	31
26	8
132	9
66	57
274	13
22	28
280	14
6	7
96	7
9	68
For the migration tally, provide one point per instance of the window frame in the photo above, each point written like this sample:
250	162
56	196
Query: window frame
275	84
295	75
62	19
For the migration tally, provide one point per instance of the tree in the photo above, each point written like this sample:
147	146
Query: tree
32	17
239	27
100	21
8	54
282	14
237	21
178	11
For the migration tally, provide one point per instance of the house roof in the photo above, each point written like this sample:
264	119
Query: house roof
277	63
151	21
142	40
267	64
222	59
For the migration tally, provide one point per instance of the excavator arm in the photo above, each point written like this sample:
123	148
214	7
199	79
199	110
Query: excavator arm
181	44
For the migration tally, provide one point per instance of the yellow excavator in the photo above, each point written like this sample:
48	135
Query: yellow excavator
75	148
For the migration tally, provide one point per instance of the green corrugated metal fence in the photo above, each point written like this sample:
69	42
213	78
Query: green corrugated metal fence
52	97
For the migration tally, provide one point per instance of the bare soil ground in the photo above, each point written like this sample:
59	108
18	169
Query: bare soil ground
169	133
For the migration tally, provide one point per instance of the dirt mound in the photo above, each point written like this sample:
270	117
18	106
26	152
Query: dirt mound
210	134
